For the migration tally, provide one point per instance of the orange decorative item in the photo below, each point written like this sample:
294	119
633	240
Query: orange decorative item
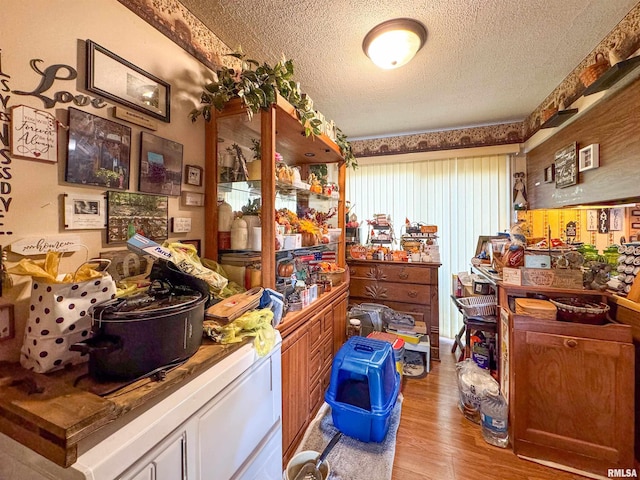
593	72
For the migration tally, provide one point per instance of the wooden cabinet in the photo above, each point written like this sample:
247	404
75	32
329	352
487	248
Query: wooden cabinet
571	391
406	287
311	339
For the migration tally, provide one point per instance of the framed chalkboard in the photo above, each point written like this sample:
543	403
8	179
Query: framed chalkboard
566	166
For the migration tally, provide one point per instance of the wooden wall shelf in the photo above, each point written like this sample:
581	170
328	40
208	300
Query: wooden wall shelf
612	76
559	118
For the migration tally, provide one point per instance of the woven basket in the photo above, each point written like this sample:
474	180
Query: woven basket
481	305
593	72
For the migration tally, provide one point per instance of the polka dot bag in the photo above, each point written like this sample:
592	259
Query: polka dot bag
58	318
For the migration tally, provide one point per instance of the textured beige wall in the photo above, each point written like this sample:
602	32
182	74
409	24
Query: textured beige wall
54	31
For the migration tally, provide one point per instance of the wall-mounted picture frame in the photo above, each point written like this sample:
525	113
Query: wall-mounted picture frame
616	219
160	165
589	157
550	174
98	151
566	170
193	199
195	242
34	134
129	213
83	212
635	226
635	213
592	220
193	175
114	78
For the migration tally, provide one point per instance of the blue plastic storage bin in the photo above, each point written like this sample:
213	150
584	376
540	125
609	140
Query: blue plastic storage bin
364	388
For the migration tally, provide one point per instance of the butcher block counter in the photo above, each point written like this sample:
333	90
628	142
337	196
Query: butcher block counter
50	415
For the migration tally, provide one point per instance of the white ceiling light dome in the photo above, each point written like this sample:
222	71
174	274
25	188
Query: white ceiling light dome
395	42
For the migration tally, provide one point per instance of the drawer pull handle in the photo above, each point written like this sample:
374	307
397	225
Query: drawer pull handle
412	293
403	275
571	343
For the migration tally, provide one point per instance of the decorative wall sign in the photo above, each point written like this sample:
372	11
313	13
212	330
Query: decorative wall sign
550	174
133	117
34	134
160	165
603	220
114	78
565	166
192	199
571	230
589	157
616	218
193	175
41	245
99	151
592	220
82	211
181	224
129	213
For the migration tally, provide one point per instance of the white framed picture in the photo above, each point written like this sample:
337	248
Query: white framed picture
589	157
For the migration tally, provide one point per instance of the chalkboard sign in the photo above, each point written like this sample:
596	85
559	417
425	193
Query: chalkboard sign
566	166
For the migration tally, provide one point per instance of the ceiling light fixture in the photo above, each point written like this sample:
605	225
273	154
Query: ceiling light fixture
395	42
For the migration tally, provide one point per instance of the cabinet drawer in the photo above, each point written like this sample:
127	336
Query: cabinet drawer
404	293
327	348
315	363
394	273
315	332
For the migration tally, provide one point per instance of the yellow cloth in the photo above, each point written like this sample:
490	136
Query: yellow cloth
256	323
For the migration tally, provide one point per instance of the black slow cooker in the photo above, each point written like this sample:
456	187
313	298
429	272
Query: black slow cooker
139	335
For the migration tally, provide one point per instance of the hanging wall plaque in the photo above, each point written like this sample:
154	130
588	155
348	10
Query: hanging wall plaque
34	134
566	168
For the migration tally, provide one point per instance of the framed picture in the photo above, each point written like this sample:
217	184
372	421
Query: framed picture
550	174
160	165
589	157
193	175
129	213
112	77
98	151
196	243
635	226
193	199
82	211
34	134
565	166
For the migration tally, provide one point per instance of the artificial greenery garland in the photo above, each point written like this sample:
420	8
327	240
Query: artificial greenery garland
258	85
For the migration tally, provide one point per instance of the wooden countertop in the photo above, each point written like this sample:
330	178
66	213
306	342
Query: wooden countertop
51	413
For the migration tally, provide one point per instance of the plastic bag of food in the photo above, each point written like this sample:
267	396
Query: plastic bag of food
232	287
473	383
186	258
256	323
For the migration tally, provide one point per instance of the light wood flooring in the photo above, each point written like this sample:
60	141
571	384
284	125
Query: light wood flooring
435	441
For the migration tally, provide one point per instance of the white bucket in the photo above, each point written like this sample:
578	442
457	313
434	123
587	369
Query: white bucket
299	459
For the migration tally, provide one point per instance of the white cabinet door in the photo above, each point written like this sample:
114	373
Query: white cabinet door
232	428
167	461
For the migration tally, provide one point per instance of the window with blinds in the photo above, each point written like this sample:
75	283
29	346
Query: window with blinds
464	197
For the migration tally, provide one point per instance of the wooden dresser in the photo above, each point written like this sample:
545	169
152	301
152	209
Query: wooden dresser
406	287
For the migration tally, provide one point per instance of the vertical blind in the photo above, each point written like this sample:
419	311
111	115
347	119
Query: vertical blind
464	197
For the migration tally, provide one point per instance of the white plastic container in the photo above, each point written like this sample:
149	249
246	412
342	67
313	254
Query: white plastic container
239	234
494	418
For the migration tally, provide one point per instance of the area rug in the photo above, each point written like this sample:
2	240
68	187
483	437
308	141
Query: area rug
352	459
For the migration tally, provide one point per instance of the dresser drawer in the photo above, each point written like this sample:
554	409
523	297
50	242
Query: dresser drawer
384	291
402	273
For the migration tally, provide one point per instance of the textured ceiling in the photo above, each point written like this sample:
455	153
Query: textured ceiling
485	61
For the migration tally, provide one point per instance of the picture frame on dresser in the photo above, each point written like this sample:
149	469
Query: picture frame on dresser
112	77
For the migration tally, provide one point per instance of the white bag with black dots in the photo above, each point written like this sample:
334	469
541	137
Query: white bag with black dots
58	318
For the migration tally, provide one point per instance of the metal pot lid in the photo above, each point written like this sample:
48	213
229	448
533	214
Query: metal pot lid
160	298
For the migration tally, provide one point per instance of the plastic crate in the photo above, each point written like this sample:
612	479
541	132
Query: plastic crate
481	305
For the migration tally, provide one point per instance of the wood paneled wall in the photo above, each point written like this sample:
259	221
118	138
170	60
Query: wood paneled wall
614	123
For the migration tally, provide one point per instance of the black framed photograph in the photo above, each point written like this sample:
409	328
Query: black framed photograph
193	175
111	76
195	242
566	166
160	165
550	174
98	151
130	213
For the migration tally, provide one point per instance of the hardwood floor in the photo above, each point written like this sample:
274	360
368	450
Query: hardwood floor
435	441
